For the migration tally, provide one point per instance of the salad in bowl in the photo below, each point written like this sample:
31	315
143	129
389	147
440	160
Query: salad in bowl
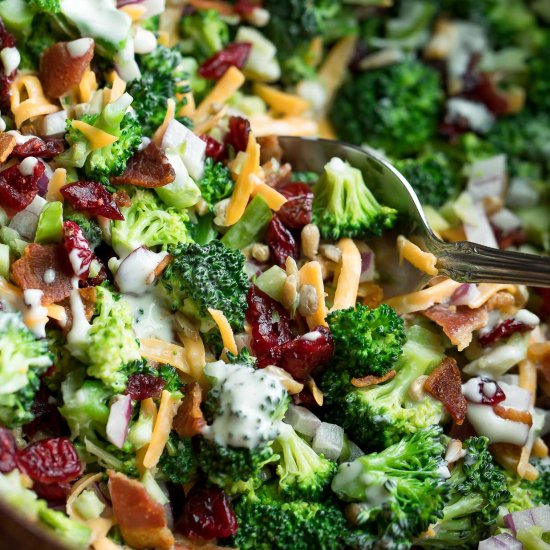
203	345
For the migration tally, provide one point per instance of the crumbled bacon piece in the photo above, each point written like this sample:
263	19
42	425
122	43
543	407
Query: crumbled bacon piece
91	197
147	168
445	385
7	145
270	148
141	518
18	190
507	328
29	270
62	70
189	420
233	55
371	380
47	148
514	415
122	199
458	323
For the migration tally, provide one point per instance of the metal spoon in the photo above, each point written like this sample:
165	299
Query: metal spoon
462	261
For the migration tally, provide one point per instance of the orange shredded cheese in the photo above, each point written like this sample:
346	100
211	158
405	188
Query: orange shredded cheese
325	129
273	198
527	381
134	11
76	490
189	107
118	87
488	290
57	181
195	354
281	102
87	85
100	528
34	105
228	338
265	125
168	117
225	87
96	138
164	352
57	312
417	257
223	8
350	273
311	273
207	125
168	408
245	182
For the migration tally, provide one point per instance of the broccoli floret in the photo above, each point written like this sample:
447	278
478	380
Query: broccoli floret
343	205
538	90
148	222
50	7
216	183
523	494
400	489
268	522
236	445
431	176
41	37
167	372
205	33
88	225
110	342
366	341
23	359
477	488
303	474
242	358
210	276
394	108
110	160
178	462
380	415
161	79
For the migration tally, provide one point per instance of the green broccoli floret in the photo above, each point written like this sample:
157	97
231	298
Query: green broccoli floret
148	222
539	88
523	494
110	342
303	474
23	359
204	33
72	533
431	176
401	489
167	372
477	488
178	462
45	6
343	205
242	358
41	37
161	79
380	415
366	341
210	276
268	522
394	108
216	183
107	161
88	225
236	445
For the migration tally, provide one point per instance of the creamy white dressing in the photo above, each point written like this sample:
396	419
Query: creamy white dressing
78	48
526	317
19	137
144	41
478	115
10	59
151	318
349	473
76	262
244	420
2	125
494	319
312	336
27	166
49	276
470	390
137	271
37	315
80	327
498	430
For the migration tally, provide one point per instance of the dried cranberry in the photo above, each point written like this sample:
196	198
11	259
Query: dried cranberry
490	391
142	386
93	198
282	243
503	330
37	147
237	133
483	89
52	492
17	190
233	55
505	240
301	356
296	212
207	515
7	40
304	398
214	149
270	326
246	7
47	418
53	460
78	249
8	450
5	82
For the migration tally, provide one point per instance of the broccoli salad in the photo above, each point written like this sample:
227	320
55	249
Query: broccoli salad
204	346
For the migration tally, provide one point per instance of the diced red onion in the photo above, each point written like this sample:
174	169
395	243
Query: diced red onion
481	232
367	266
503	541
119	420
464	295
487	178
302	420
506	221
527	518
329	441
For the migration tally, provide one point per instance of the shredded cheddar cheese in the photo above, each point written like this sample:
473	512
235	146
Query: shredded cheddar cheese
100	528
350	273
87	85
311	273
195	355
325	129
207	125
424	261
134	11
118	87
488	290
168	117
228	338
97	138
76	490
34	105
57	181
527	381
164	352
167	410
265	125
281	102
273	198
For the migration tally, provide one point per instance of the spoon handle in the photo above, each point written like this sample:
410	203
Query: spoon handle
474	263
